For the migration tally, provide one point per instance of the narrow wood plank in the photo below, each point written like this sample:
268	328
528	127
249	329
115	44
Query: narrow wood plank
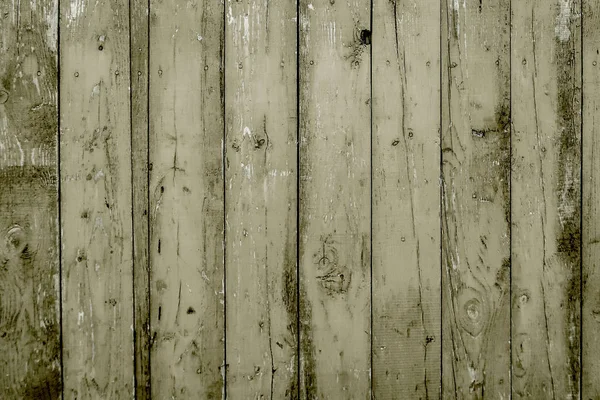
96	200
590	313
335	171
139	169
476	199
546	79
406	200
186	199
260	198
29	250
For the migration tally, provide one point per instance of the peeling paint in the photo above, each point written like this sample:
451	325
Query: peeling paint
563	21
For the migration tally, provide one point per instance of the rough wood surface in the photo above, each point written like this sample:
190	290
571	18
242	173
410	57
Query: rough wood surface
546	84
139	170
95	173
590	313
260	198
406	200
186	199
29	250
335	170
476	199
315	199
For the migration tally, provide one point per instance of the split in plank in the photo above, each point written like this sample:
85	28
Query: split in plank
546	84
406	200
476	199
186	199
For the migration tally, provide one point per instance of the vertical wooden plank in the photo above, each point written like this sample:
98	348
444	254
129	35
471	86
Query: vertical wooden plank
335	171
406	199
29	252
546	193
186	199
96	200
590	313
476	199
139	169
260	181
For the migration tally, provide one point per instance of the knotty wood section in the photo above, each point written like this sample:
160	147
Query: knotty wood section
95	171
260	198
590	313
186	199
406	199
139	169
546	83
476	199
29	250
335	168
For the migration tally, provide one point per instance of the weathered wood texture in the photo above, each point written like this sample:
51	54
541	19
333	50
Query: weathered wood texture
139	170
546	84
29	250
476	199
315	199
260	198
334	199
95	172
406	200
186	199
590	313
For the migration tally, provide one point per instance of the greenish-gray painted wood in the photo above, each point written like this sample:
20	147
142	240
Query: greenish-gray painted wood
546	196
406	199
380	199
476	199
30	351
260	199
95	200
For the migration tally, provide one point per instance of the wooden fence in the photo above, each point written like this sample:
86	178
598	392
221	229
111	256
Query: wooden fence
322	199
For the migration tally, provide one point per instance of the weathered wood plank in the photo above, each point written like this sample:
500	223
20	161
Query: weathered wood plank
96	200
139	169
335	152
546	79
29	250
590	313
186	199
260	181
476	199
406	200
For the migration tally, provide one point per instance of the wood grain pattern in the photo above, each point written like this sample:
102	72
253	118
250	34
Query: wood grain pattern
260	198
29	250
335	147
138	18
96	207
186	199
406	200
315	199
546	84
476	199
590	313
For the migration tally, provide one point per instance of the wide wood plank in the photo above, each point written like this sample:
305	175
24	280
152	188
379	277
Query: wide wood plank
139	170
546	84
29	250
476	199
406	199
186	199
95	170
260	198
590	313
335	169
